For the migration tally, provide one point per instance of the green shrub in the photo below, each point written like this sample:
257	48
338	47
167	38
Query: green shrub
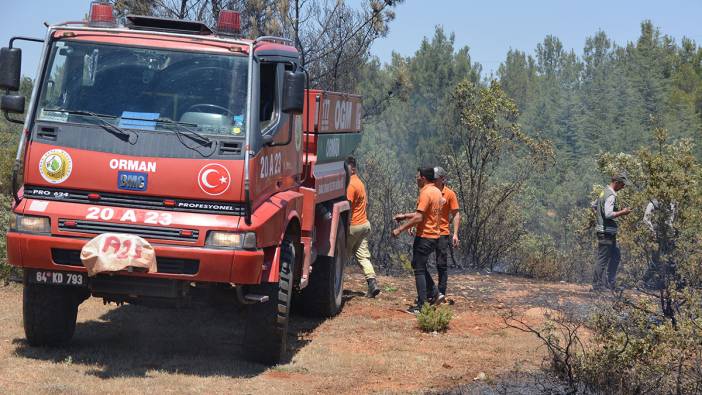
5	269
433	319
405	262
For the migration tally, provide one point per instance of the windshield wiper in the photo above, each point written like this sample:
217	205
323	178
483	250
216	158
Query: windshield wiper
115	130
181	130
193	135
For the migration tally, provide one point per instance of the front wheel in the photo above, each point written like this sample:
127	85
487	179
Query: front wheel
323	295
49	313
266	332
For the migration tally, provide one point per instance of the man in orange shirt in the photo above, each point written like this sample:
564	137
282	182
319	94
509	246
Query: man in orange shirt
357	241
426	219
449	209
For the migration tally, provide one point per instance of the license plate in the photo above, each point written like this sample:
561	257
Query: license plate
57	278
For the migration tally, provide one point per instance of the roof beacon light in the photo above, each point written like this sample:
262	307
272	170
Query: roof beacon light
101	15
229	23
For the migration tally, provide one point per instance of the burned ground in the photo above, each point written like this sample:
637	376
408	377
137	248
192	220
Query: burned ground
372	346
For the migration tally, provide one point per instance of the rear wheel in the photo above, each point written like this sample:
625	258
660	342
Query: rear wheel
266	332
323	295
50	313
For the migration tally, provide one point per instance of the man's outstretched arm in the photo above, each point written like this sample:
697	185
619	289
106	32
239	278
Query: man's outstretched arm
456	225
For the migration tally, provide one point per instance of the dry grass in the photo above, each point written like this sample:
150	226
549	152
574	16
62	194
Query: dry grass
371	347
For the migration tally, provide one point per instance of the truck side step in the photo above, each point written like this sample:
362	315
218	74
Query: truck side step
255	298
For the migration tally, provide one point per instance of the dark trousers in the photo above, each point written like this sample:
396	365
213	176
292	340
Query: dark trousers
660	270
652	277
421	249
442	250
608	257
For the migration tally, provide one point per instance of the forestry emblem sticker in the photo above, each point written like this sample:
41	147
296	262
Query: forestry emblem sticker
55	166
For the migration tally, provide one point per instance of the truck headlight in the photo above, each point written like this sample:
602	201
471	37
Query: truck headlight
30	224
233	240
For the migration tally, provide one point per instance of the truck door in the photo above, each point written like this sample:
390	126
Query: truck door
276	167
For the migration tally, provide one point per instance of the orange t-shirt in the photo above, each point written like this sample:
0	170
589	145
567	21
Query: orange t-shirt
356	194
429	204
450	204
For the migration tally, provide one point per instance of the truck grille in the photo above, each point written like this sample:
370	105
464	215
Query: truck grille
134	201
165	265
147	232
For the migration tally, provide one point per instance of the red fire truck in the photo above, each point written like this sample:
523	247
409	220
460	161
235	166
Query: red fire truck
206	146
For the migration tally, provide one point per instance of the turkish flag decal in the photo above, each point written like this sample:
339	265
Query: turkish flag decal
214	179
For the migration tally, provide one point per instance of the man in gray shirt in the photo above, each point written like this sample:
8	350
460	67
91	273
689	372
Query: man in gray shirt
607	211
650	213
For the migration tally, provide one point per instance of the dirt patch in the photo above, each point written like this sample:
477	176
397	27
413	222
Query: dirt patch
372	346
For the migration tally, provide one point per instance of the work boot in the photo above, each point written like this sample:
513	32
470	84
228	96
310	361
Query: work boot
439	299
436	298
373	289
414	310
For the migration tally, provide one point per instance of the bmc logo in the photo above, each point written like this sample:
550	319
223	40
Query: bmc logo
132	181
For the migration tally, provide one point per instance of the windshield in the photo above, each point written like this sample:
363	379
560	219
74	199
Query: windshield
133	88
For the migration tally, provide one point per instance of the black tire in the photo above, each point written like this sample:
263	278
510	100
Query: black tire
49	314
266	332
323	295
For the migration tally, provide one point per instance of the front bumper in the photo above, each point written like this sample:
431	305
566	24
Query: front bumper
213	265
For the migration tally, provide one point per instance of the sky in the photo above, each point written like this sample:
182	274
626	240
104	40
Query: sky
491	28
488	28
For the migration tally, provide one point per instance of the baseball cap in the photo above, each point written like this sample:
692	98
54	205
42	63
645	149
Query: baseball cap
622	177
427	172
439	172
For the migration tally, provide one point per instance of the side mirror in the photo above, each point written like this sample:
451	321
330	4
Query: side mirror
12	103
10	65
293	92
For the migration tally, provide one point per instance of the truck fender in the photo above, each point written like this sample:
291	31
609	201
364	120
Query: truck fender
327	243
271	260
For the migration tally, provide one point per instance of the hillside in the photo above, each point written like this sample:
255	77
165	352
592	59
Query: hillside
373	346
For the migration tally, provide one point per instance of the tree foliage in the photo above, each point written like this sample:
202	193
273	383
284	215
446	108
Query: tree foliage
9	137
481	138
665	256
646	338
405	101
600	101
332	36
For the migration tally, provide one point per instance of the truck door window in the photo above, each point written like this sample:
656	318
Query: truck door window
268	106
54	92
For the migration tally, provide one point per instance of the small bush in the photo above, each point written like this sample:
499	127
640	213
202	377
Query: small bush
405	262
432	318
390	288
